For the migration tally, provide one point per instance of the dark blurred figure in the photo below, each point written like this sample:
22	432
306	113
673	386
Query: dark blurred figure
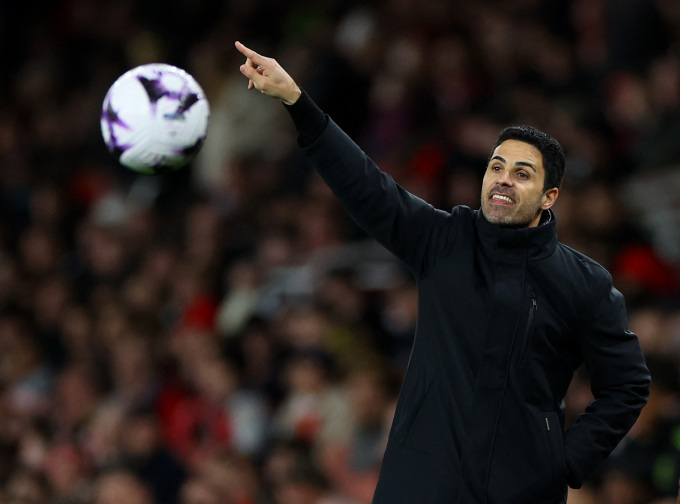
646	465
27	487
145	455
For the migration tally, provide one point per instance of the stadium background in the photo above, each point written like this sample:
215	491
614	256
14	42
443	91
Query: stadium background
224	334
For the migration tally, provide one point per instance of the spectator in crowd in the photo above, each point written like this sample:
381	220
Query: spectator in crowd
120	487
27	487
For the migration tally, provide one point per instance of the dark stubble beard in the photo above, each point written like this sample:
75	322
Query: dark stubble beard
520	220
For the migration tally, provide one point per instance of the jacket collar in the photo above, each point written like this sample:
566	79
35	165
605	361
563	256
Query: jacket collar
537	243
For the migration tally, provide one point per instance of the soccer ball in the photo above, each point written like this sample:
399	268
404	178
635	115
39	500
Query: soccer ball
155	118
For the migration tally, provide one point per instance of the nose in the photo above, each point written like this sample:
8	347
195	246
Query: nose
504	179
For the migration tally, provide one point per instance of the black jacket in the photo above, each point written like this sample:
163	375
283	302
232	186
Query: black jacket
505	317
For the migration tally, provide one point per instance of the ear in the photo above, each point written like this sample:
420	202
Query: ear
549	198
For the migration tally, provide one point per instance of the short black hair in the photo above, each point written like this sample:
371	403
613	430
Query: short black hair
550	149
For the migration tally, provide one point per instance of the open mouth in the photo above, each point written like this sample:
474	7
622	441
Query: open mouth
502	198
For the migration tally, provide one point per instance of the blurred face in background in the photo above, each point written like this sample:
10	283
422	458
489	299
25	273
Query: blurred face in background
26	487
122	488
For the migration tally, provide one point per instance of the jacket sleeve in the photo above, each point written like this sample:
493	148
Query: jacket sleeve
406	225
620	384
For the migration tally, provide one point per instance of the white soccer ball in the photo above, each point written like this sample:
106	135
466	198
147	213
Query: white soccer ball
155	118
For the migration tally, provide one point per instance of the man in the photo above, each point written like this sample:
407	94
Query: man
506	314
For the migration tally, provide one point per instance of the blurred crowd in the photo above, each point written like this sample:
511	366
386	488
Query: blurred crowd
225	334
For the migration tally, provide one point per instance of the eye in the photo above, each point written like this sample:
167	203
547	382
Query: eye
496	168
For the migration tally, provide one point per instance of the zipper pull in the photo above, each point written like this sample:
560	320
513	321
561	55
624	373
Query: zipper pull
534	304
547	423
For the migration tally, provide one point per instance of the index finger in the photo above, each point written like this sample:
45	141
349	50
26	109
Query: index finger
248	53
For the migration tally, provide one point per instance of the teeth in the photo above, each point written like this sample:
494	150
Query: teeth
501	197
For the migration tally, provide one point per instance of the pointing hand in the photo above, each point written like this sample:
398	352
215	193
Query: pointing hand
267	76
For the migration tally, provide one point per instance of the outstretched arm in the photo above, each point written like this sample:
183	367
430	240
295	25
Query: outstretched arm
268	77
408	226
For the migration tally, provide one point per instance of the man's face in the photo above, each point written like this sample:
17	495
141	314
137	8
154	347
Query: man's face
512	189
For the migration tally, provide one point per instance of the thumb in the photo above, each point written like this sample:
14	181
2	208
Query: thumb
252	74
248	71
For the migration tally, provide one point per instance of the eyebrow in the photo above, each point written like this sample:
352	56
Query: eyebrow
518	163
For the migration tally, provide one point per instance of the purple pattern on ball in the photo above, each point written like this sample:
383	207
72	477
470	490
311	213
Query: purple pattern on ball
110	117
155	89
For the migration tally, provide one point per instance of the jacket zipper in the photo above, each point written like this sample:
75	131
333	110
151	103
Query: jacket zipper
527	333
